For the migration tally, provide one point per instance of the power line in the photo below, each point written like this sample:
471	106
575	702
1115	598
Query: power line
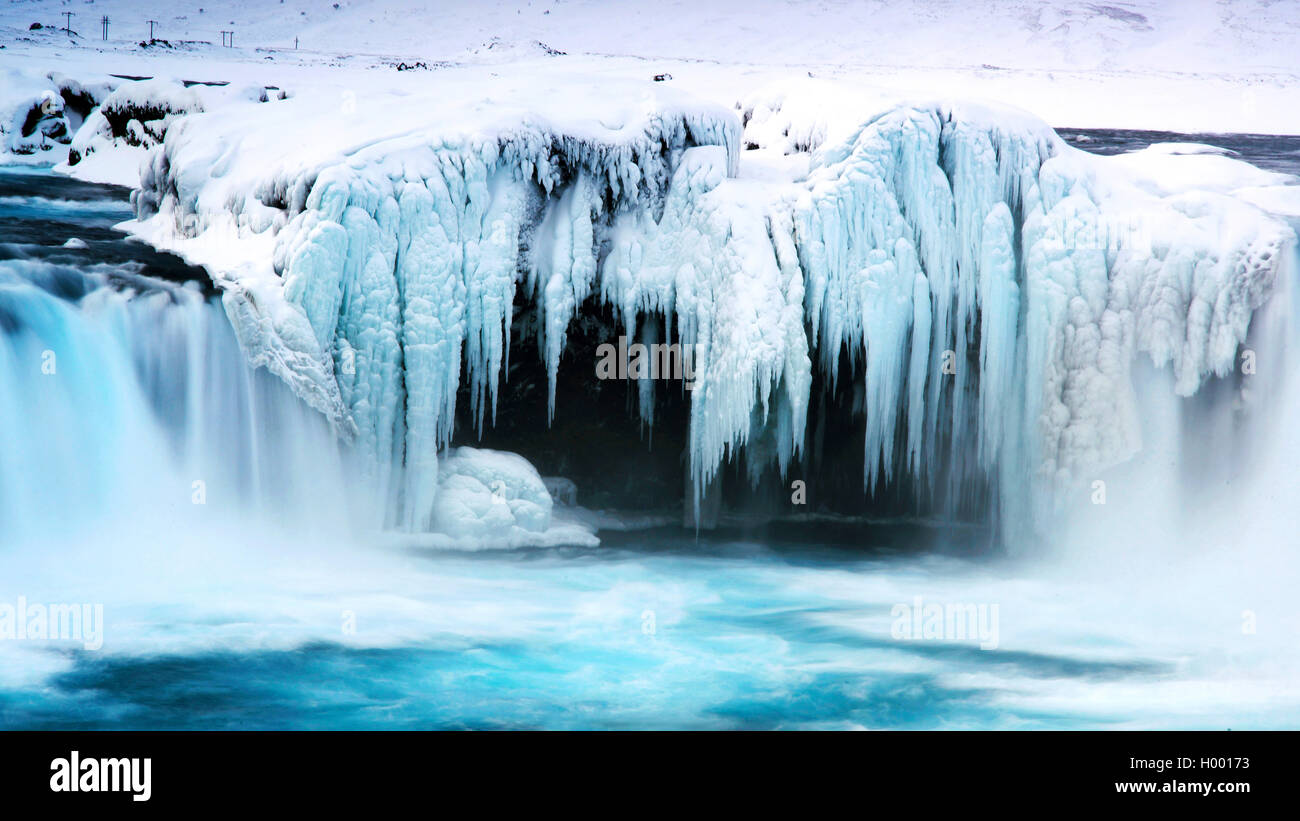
151	25
104	21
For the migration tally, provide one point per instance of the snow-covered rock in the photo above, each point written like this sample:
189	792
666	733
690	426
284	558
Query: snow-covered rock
40	112
481	492
491	498
133	118
32	116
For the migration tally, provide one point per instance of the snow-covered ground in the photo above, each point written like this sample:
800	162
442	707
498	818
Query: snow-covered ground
1197	66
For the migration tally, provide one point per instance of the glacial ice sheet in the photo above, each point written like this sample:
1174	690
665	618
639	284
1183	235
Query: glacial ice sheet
994	283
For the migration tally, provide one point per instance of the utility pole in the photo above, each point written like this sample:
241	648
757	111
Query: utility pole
151	25
68	26
104	21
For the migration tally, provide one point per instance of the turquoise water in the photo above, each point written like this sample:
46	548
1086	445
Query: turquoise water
742	637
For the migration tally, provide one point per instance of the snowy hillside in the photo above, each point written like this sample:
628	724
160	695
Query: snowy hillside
1200	36
1198	65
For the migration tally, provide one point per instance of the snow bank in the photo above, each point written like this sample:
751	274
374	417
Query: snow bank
995	284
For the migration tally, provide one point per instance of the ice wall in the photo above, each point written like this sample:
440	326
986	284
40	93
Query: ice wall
999	285
993	284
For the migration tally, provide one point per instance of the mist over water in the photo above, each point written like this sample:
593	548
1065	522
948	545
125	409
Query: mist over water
260	597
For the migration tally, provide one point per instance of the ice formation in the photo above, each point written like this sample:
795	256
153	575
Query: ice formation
995	284
933	228
483	493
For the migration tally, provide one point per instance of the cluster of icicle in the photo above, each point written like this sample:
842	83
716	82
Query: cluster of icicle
953	259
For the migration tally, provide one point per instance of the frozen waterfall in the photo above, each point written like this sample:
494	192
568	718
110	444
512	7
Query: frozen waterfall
992	286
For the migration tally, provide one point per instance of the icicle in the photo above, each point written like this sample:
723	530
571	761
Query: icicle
565	264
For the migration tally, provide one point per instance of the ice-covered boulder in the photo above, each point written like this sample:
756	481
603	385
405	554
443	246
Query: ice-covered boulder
35	114
483	493
37	125
491	498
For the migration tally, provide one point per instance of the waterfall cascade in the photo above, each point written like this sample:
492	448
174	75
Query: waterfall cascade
122	392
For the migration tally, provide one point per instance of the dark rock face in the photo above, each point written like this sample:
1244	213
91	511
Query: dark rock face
120	116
